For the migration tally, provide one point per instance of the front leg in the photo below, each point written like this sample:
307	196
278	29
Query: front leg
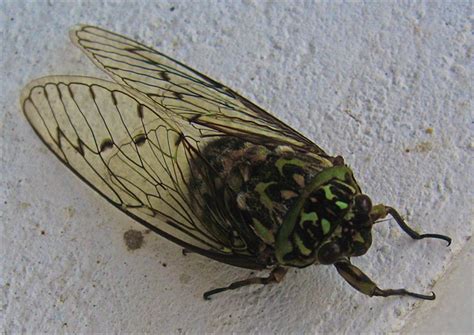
275	276
359	280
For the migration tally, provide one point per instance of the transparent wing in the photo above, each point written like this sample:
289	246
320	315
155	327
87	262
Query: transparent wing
184	91
138	157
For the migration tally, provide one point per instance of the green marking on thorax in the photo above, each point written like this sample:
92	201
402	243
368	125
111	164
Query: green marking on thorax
325	226
280	163
300	245
264	198
327	192
312	216
342	204
263	232
283	244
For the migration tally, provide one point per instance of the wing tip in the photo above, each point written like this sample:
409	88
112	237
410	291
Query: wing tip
26	92
83	27
76	29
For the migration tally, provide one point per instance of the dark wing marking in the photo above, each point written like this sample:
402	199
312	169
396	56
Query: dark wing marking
138	156
184	91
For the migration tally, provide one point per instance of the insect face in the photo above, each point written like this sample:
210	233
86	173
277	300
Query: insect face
331	221
352	233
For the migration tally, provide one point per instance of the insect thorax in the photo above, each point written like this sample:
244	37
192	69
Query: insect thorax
279	204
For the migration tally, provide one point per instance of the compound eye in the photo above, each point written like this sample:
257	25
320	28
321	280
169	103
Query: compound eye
363	204
329	253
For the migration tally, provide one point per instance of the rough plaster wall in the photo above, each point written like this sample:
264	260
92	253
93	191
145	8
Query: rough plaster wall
384	85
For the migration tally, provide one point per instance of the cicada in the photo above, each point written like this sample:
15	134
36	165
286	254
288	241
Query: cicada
204	167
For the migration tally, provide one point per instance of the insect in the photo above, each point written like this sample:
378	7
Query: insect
202	166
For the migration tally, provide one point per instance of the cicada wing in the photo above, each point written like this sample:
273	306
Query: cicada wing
136	156
184	91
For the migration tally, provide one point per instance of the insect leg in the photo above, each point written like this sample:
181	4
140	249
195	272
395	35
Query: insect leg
381	211
359	280
275	276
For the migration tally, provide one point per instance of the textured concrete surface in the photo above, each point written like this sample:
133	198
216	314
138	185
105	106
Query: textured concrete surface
385	85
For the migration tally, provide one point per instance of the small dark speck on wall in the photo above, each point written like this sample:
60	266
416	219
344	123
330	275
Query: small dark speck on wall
133	239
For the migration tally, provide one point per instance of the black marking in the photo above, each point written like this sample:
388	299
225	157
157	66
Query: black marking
165	76
80	147
132	49
341	190
139	139
92	93
310	234
70	91
106	144
219	85
178	95
140	111
58	136
194	118
114	99
179	139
